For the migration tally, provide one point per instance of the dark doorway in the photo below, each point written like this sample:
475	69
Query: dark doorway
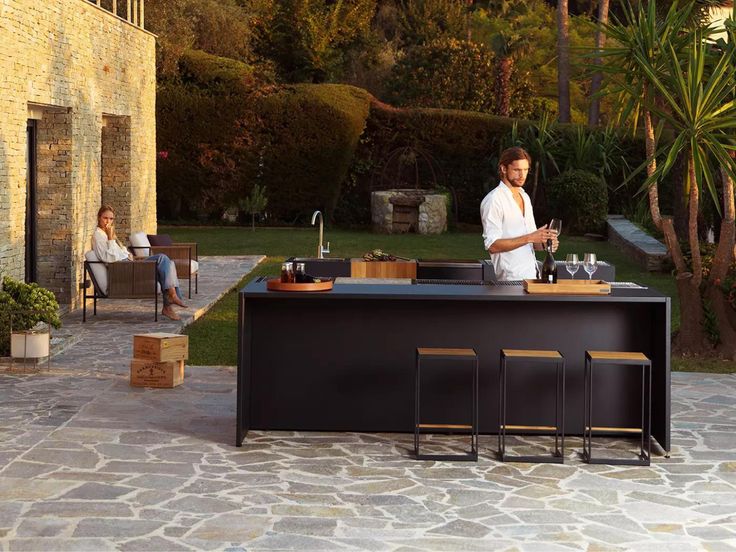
31	192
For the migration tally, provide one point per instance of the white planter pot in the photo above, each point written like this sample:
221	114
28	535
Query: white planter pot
29	344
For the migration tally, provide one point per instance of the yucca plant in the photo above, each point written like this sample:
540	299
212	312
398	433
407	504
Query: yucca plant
699	107
657	68
540	140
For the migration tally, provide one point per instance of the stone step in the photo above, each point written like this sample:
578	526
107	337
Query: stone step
647	251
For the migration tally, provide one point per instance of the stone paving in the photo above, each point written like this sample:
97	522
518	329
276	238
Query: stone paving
90	463
646	250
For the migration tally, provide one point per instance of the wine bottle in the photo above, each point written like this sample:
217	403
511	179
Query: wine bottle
549	267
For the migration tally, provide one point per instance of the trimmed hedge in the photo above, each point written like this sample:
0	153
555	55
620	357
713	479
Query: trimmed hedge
298	141
580	199
313	132
200	126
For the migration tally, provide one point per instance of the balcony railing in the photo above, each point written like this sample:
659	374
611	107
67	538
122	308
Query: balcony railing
133	11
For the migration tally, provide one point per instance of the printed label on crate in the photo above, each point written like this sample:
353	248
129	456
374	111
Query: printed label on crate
154	370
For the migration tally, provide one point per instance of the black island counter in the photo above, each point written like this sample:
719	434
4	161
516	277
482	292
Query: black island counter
344	359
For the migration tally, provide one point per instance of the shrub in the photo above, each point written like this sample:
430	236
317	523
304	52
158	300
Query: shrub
203	169
16	297
447	73
580	199
313	131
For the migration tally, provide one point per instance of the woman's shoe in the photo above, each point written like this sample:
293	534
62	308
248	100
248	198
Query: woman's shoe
170	313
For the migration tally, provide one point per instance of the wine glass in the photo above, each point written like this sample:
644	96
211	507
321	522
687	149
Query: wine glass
590	264
556	226
572	264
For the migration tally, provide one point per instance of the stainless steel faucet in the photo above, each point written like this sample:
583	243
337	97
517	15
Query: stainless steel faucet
321	250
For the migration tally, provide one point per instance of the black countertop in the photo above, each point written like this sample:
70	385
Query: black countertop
443	292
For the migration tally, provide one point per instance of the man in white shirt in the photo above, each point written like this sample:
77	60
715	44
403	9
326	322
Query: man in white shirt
510	233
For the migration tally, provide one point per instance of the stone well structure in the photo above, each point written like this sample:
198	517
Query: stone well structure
400	211
77	128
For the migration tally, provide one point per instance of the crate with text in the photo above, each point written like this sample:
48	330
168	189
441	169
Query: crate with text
148	373
160	347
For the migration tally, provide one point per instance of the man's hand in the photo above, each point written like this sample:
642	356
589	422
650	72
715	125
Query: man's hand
542	234
555	242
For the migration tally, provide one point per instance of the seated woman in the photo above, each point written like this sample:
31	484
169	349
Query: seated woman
109	250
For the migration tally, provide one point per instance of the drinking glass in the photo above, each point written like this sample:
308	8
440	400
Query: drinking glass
556	226
590	264
572	264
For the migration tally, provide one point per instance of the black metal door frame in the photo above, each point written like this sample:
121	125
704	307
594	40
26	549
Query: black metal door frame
31	253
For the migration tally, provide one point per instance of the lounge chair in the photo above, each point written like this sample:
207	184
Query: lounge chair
184	255
121	280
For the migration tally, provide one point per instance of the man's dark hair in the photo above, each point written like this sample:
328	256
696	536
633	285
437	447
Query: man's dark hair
509	155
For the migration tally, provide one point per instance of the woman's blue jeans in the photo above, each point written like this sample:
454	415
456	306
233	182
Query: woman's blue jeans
166	270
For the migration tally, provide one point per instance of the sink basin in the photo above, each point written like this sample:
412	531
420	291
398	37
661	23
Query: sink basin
329	267
316	260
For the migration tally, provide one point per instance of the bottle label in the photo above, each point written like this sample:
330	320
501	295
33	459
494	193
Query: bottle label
549	278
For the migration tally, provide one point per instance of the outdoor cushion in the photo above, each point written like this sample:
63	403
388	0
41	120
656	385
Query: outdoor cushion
160	239
139	244
99	271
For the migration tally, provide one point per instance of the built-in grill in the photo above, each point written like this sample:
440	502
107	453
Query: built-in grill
449	269
440	282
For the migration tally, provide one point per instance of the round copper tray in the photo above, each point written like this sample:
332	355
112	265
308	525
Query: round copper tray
276	284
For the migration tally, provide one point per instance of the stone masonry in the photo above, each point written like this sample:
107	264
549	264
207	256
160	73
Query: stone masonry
75	68
432	211
116	170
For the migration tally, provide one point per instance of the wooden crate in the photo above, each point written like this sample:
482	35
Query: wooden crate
382	269
160	347
568	287
146	373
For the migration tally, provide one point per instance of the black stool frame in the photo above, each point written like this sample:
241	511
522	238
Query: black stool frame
472	455
645	431
558	456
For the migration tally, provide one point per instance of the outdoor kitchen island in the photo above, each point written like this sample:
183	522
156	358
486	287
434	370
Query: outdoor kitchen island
344	359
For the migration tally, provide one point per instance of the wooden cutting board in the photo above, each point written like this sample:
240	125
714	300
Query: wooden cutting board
568	287
382	269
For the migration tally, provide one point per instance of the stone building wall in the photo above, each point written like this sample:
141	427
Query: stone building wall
73	66
115	181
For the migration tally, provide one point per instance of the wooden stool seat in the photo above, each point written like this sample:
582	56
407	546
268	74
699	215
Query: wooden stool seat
435	352
462	355
538	356
595	358
617	357
531	353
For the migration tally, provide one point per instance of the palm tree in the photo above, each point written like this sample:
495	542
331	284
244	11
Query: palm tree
563	61
698	106
595	84
507	46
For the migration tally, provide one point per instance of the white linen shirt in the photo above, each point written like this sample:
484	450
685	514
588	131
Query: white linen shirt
108	251
503	219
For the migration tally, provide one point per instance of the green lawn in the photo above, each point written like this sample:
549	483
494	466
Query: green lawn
213	338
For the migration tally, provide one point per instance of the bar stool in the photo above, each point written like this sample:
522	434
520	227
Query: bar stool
628	359
447	354
547	357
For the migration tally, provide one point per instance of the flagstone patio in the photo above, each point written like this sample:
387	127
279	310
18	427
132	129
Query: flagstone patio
90	463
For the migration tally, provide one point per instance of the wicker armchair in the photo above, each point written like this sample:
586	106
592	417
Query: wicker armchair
121	280
184	255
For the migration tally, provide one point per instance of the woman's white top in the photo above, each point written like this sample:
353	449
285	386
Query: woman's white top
502	218
108	251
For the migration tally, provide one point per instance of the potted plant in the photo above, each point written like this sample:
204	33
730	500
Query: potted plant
23	308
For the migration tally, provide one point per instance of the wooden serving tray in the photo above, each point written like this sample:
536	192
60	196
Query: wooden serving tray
275	284
568	287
